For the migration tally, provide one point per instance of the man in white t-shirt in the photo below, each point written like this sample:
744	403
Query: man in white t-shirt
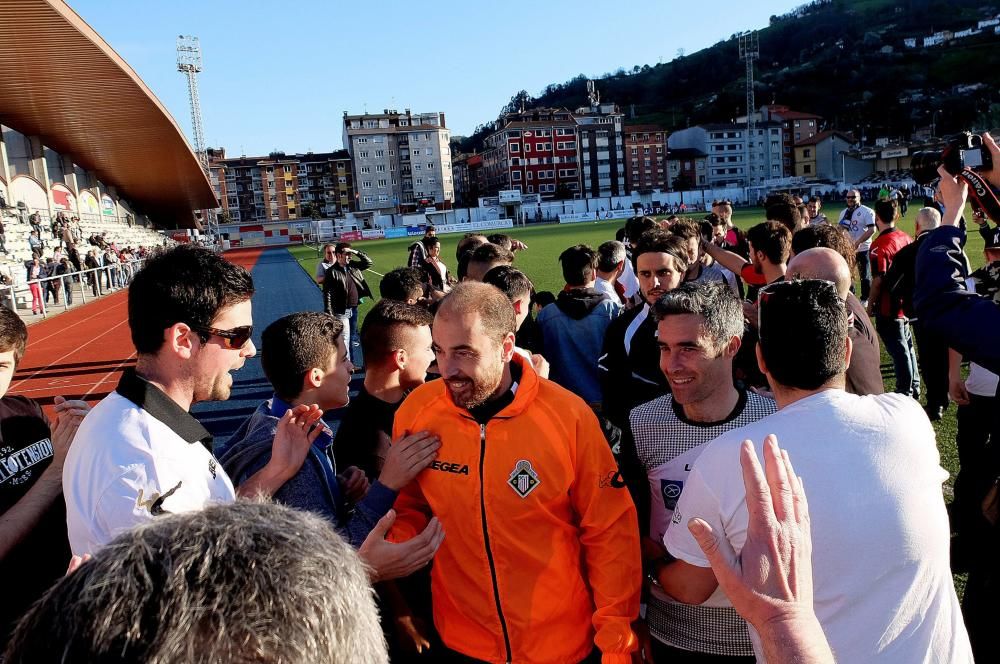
859	221
139	453
699	329
883	590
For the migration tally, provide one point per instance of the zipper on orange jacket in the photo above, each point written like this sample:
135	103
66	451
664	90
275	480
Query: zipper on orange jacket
486	539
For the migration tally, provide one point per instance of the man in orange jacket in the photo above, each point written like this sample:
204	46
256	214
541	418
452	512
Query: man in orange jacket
540	560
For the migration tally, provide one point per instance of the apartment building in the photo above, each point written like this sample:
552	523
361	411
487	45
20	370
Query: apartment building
645	158
400	160
281	187
534	151
602	152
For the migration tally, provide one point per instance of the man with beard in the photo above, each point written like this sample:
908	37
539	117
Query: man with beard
859	220
540	561
630	357
139	453
699	328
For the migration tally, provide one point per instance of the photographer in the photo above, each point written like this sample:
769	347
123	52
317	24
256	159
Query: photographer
968	322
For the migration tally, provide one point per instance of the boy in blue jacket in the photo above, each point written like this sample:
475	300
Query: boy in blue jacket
306	362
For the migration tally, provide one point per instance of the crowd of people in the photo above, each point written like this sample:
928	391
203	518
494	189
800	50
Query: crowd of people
604	474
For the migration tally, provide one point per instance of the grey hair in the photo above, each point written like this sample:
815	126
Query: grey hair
928	218
245	582
719	308
609	255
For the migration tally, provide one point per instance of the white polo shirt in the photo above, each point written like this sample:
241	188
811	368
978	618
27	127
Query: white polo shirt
137	455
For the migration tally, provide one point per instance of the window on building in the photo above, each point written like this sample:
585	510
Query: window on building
383	183
380	168
527	147
379	153
361	139
807	168
514	147
363	155
366	184
418	181
366	169
806	152
516	175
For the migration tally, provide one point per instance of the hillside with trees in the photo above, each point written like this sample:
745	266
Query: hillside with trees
843	59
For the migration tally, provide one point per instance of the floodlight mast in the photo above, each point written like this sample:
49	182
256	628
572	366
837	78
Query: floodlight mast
749	51
189	64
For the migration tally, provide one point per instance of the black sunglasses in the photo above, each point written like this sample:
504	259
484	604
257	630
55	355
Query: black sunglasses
235	339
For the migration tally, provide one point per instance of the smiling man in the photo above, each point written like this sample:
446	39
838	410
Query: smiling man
628	363
699	328
139	453
540	562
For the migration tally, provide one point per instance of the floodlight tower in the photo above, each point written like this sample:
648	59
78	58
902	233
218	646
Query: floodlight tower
189	64
750	51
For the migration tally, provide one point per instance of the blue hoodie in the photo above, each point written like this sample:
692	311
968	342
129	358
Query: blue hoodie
315	487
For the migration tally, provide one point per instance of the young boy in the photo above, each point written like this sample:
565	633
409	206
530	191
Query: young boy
396	339
34	548
517	287
305	359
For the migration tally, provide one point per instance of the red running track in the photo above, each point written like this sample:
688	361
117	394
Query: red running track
81	354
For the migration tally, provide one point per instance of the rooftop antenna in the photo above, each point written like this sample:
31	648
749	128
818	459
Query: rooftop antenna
593	95
750	51
189	64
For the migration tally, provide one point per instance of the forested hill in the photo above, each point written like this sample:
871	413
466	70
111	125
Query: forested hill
828	57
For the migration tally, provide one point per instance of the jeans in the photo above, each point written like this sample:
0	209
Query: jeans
898	342
345	334
68	289
864	273
355	346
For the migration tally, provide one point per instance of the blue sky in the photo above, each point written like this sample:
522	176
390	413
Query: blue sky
280	75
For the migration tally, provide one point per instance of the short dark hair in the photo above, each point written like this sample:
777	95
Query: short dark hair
430	229
636	226
816	197
685	229
382	327
512	282
609	255
294	345
543	298
579	264
825	235
494	309
720	310
185	284
803	332
469	242
714	219
771	238
501	240
401	284
663	242
166	590
430	240
887	211
783	208
491	253
340	246
13	334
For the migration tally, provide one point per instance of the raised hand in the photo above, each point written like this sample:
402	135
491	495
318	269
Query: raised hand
406	457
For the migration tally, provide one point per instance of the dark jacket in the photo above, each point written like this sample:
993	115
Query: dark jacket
966	321
335	284
314	488
864	375
630	365
901	276
433	276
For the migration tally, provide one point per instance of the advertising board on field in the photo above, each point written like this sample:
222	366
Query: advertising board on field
350	236
488	224
397	231
372	233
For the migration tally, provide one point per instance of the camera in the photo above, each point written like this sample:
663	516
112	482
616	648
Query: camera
961	151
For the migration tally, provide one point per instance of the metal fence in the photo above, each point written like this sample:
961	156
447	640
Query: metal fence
125	271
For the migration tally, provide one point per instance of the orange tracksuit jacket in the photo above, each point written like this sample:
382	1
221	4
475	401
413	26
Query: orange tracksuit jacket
540	559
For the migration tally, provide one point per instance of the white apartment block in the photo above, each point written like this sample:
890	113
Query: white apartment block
400	159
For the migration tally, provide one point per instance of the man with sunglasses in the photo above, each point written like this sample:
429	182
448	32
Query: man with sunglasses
344	286
329	258
883	590
139	453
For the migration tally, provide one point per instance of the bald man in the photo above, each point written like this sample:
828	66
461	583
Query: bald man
864	374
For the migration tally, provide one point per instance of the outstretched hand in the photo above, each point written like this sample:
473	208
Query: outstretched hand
297	430
387	560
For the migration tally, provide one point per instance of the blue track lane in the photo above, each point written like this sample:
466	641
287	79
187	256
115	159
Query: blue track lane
282	288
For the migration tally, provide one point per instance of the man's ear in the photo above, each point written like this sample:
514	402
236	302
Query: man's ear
519	307
848	352
507	347
181	340
313	378
733	346
399	358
